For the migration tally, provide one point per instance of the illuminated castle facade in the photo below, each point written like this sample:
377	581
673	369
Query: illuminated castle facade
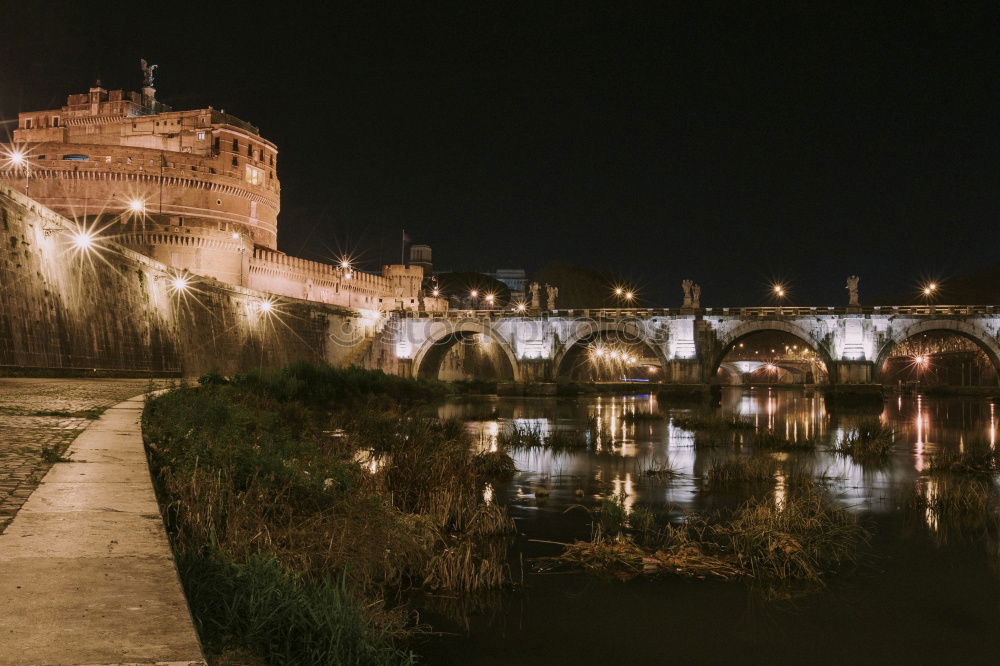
197	190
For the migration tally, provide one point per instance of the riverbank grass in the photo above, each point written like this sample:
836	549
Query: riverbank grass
299	501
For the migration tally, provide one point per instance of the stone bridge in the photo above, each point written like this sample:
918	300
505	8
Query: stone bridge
689	345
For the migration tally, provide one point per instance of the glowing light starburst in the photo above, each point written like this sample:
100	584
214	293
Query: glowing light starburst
83	240
15	157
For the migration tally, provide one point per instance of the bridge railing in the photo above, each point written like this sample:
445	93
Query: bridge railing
753	311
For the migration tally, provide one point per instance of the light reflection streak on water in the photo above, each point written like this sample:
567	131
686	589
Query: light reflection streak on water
622	487
919	445
930	492
993	426
369	460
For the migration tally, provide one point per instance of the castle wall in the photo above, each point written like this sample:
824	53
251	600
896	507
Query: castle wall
114	311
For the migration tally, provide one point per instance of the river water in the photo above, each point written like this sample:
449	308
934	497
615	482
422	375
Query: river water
926	592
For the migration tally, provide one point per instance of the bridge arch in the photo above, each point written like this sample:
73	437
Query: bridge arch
427	360
732	337
977	335
588	330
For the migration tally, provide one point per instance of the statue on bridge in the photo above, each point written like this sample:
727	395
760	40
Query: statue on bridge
852	288
536	298
550	294
696	296
686	286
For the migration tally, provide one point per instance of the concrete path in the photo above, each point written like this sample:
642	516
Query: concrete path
86	571
39	417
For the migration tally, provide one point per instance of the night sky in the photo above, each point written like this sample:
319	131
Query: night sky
731	143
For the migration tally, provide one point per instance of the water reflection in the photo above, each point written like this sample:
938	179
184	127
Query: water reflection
928	527
631	434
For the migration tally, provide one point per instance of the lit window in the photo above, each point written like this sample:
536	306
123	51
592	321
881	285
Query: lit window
201	136
254	175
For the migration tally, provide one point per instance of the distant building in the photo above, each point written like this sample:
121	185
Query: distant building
420	255
515	279
196	190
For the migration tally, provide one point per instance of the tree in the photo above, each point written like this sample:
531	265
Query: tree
456	287
581	288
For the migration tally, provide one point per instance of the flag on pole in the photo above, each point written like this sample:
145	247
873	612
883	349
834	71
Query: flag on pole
402	248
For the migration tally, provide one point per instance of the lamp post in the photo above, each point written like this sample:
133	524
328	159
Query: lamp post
779	292
345	268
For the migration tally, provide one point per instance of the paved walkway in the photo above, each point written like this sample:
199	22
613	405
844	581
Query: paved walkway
39	418
86	572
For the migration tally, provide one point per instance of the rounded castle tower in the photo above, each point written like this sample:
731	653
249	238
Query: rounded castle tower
197	190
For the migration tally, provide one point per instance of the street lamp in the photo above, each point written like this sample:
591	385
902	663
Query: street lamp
929	290
19	160
82	240
624	294
779	293
489	300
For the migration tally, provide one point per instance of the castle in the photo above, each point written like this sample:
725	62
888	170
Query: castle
196	190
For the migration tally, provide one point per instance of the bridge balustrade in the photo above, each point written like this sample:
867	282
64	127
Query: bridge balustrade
751	311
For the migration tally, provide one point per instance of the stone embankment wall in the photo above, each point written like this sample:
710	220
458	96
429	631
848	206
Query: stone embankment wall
108	310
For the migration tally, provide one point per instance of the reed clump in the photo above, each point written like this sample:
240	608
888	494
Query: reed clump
953	496
804	539
741	469
657	469
975	457
568	439
869	443
294	515
515	436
